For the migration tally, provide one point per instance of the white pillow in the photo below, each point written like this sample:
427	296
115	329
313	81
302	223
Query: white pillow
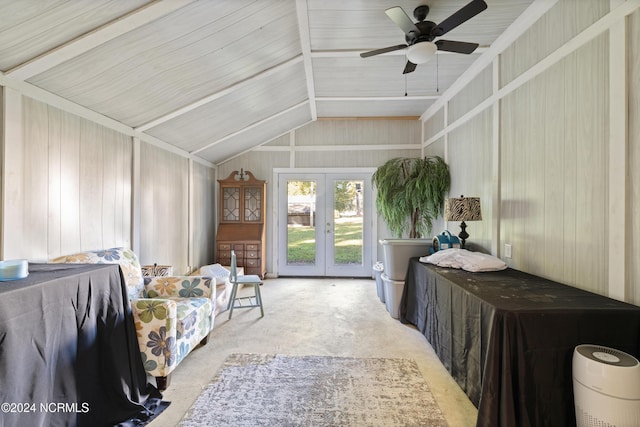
466	260
217	271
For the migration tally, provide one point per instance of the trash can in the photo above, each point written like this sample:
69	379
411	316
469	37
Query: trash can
378	268
392	295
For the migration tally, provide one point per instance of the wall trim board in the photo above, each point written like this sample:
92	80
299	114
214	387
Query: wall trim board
347	147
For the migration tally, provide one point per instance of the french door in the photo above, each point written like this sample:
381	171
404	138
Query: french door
324	224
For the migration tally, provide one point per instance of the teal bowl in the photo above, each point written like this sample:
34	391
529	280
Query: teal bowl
13	269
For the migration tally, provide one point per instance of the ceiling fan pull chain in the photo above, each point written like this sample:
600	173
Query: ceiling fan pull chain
437	76
405	85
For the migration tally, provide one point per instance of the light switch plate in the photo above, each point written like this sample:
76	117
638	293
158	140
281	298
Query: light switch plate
507	250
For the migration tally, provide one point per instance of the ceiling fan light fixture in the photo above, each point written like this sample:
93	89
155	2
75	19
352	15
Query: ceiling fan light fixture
421	52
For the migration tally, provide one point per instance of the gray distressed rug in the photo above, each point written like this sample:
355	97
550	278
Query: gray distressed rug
308	391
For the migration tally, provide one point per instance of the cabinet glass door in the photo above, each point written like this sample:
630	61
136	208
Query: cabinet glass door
252	204
230	204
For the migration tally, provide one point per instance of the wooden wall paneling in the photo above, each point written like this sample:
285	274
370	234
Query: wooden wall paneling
70	201
569	170
562	22
163	208
109	187
556	243
359	132
520	211
281	141
474	93
54	179
551	239
506	171
534	162
117	195
91	187
35	199
618	177
434	124
470	163
592	134
373	158
633	38
436	148
203	204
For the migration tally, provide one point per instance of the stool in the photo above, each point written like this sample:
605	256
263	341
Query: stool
247	279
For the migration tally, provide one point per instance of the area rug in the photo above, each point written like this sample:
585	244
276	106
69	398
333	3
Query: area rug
277	390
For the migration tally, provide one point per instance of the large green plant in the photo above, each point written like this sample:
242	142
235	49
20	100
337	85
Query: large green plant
411	193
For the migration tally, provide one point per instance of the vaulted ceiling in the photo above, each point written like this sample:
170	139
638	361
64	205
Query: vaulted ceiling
213	78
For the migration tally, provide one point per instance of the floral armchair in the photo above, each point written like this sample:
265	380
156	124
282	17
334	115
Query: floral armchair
172	314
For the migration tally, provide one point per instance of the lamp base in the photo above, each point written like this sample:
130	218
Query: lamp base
463	234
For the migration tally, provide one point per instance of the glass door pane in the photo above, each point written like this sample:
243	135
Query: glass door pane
301	222
348	222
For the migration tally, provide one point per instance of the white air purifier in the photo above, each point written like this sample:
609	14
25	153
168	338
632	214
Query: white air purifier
606	387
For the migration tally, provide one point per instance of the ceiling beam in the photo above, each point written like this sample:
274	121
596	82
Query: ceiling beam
226	91
377	98
254	125
305	45
92	39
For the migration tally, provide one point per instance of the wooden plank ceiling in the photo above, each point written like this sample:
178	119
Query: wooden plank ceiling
215	78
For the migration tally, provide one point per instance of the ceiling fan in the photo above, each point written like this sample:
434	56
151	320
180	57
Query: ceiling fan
420	36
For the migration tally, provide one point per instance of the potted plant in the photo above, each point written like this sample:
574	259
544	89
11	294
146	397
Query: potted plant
410	196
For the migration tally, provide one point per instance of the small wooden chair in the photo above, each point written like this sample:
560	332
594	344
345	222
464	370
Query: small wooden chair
248	279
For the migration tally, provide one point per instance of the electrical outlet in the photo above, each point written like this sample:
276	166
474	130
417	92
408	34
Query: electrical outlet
507	250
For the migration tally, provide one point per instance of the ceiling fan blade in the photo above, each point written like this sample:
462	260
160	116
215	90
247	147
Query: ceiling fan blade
402	20
467	12
454	46
382	50
409	68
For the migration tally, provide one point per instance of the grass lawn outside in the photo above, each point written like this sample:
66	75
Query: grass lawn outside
348	242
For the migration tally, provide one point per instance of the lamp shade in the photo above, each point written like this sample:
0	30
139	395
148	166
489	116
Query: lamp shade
462	209
421	52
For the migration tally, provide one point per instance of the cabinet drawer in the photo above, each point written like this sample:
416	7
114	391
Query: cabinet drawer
224	261
224	246
238	247
253	247
252	262
239	255
252	254
224	254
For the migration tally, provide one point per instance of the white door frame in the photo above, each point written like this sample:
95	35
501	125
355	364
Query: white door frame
370	252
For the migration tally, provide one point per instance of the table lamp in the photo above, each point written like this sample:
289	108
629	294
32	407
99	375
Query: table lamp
462	209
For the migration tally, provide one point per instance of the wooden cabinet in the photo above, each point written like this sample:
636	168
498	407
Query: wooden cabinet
241	228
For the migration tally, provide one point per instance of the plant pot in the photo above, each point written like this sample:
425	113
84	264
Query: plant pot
397	252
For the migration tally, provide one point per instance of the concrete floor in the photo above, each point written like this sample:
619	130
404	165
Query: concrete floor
334	317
